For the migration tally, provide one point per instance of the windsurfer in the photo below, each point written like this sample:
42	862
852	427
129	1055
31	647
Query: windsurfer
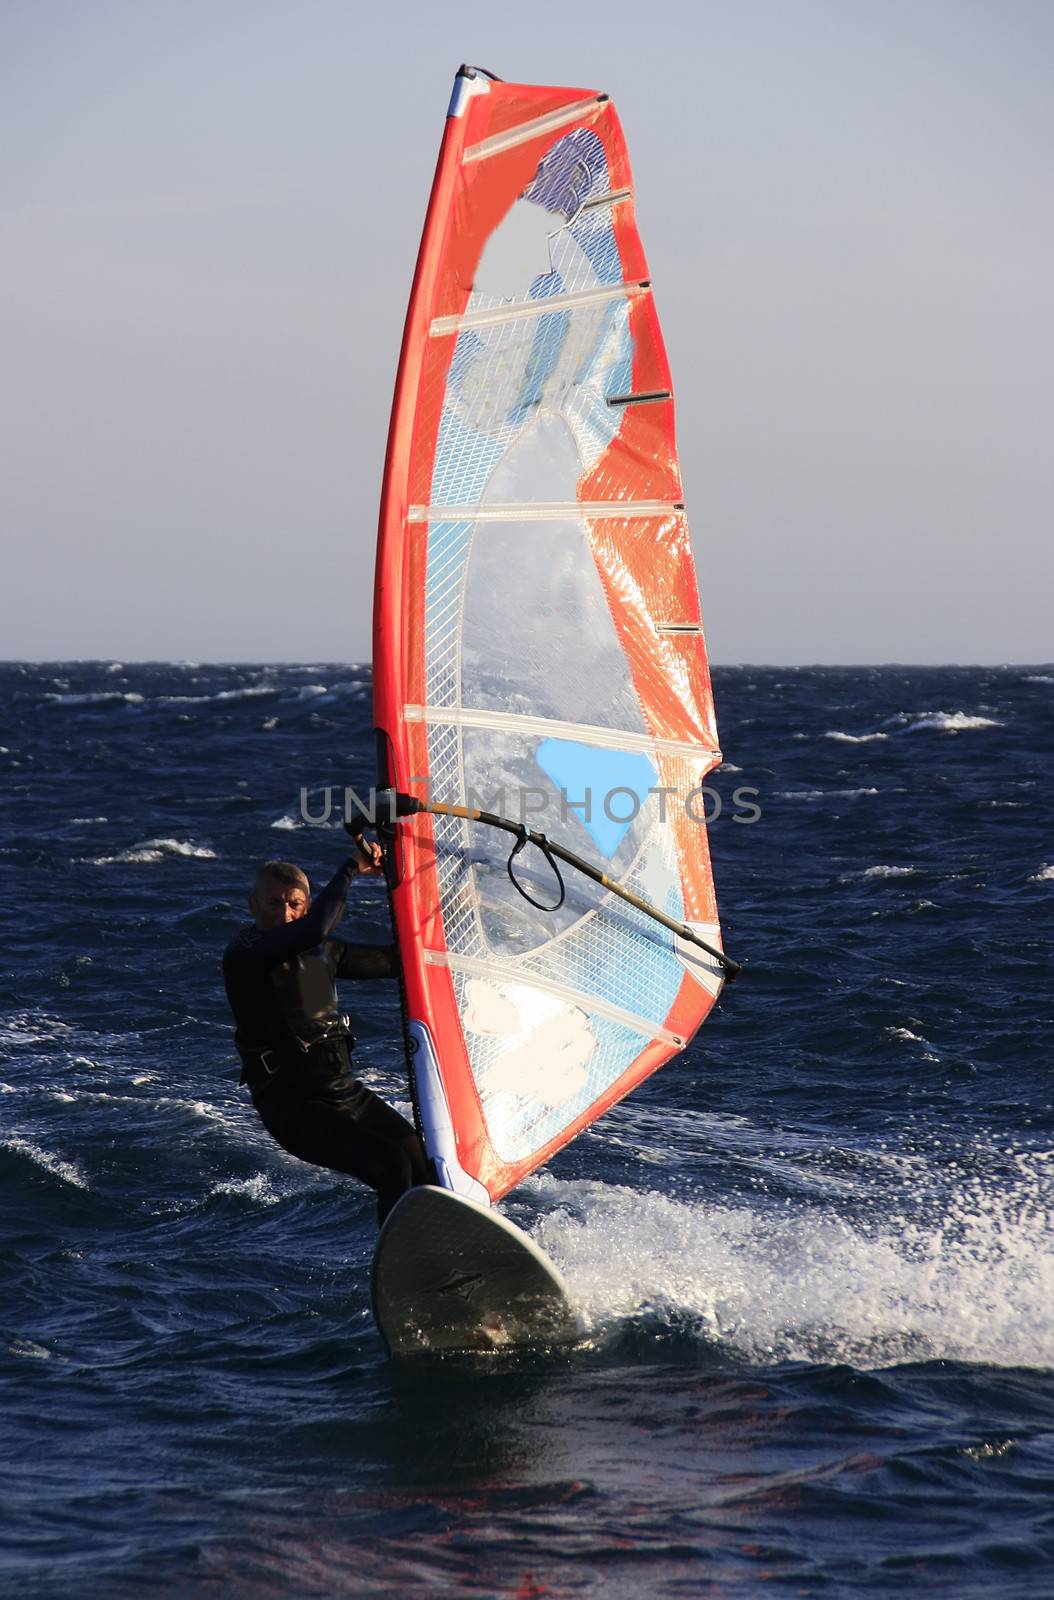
295	1046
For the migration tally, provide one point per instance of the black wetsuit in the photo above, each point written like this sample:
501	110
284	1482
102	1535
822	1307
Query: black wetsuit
296	1047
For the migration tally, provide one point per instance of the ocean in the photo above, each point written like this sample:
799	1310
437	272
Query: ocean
814	1253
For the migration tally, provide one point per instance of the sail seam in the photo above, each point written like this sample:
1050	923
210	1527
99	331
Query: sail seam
552	728
516	311
495	972
526	131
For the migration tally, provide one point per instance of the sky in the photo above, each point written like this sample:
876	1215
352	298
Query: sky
209	214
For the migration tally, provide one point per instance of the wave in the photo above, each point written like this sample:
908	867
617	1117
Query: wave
250	692
945	721
906	1036
1044	875
100	697
258	1189
150	851
855	738
974	1282
65	1171
823	794
32	1027
888	872
288	822
28	1348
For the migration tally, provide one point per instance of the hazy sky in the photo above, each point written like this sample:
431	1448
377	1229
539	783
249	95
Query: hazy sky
210	214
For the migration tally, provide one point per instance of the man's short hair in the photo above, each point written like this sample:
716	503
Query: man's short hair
282	872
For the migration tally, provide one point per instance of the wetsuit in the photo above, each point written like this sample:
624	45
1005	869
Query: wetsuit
295	1046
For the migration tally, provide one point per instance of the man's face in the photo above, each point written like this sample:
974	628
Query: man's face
273	904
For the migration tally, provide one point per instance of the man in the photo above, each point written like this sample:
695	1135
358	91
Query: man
295	1046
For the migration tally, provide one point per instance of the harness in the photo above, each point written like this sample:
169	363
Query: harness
302	1059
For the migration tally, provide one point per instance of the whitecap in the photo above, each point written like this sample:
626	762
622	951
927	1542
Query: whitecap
32	1027
949	722
258	1188
100	697
855	738
823	794
1039	678
288	822
1044	875
888	872
27	1347
253	692
44	1158
84	821
150	851
311	691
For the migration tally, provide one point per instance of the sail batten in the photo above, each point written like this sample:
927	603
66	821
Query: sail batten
542	511
497	974
584	732
533	129
543	306
537	640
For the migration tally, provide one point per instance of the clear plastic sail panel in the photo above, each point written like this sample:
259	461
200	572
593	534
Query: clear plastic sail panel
538	649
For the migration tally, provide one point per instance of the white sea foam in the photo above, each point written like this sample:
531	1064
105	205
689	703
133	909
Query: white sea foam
946	722
1038	677
251	692
150	851
268	723
84	821
976	1283
100	697
311	691
258	1189
288	822
823	794
888	872
855	738
32	1027
1044	875
58	1168
27	1347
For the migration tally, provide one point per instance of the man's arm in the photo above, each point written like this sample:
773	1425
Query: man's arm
269	945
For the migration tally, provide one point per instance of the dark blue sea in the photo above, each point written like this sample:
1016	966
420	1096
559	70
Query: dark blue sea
815	1253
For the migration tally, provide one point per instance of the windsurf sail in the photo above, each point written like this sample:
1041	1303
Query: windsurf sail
538	651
